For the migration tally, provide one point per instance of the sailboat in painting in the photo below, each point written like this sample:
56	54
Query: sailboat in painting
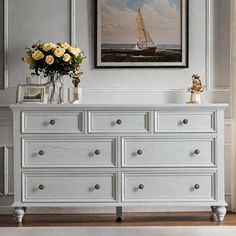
145	42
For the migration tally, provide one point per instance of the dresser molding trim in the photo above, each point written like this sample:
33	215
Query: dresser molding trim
82	139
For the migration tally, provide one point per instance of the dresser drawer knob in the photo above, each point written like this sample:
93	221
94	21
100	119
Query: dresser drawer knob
97	152
197	152
41	152
185	121
41	187
119	122
139	152
196	186
141	186
97	186
52	122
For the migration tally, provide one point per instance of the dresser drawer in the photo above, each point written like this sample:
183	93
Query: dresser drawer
168	187
52	122
119	121
69	187
185	122
68	152
153	152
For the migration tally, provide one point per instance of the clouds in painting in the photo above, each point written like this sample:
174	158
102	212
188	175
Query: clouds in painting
162	18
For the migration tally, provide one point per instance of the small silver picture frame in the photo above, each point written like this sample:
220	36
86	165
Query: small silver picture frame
31	93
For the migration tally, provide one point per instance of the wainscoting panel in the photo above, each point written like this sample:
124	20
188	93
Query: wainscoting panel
219	44
6	171
1	44
1	171
30	21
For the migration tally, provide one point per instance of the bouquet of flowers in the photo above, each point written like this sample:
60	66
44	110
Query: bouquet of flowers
54	60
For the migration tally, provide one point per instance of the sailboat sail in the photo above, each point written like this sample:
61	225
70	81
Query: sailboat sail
144	38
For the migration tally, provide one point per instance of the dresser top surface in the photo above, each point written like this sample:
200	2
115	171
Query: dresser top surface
117	106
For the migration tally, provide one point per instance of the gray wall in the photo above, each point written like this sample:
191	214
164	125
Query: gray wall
30	20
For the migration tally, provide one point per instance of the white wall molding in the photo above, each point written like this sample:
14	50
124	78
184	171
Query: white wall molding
210	49
228	132
228	121
150	90
233	83
6	122
6	170
7	191
208	45
1	171
6	118
132	90
6	24
73	22
221	89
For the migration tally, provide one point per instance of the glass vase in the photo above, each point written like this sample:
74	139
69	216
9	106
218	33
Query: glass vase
55	90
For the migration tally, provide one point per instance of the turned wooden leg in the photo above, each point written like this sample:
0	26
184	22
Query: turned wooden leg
19	213
118	214
220	213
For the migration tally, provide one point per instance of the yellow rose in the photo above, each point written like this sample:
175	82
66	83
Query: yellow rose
66	57
74	51
47	47
78	50
65	45
37	55
59	52
82	56
53	45
49	59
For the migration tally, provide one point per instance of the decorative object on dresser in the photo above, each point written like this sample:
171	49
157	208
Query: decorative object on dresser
31	94
196	89
141	34
169	155
76	92
54	61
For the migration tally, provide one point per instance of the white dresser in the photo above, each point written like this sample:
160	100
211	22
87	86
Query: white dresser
119	155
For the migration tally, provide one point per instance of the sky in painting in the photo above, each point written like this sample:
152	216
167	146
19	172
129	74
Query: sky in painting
161	17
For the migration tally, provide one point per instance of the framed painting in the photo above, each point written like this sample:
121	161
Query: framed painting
141	33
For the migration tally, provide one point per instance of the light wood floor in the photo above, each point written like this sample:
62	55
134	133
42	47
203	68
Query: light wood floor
129	219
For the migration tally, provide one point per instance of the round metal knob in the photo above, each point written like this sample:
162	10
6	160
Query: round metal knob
41	152
41	187
197	152
97	152
119	122
139	152
97	186
52	122
196	186
141	186
185	121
